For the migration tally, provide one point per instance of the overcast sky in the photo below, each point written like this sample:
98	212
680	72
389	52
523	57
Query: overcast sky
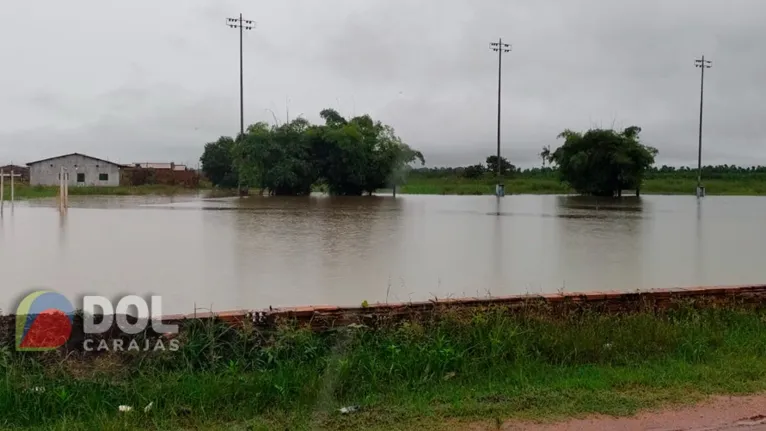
148	80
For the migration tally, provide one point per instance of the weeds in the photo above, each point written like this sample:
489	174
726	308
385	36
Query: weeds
24	191
458	365
667	186
434	186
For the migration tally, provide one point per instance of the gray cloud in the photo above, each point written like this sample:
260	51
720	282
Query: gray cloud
162	80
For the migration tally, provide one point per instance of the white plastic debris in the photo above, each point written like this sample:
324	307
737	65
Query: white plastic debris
349	409
125	408
148	407
37	389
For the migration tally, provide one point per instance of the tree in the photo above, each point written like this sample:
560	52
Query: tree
350	157
218	162
278	158
359	155
602	162
474	171
505	166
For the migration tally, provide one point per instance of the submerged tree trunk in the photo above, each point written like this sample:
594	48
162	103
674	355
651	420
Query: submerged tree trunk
604	193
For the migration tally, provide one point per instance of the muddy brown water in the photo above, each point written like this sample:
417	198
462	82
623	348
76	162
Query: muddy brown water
261	251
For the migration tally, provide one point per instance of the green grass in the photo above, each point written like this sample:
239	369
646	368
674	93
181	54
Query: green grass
435	373
462	186
687	186
746	186
661	185
23	191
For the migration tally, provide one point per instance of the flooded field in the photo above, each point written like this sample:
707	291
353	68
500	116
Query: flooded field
257	252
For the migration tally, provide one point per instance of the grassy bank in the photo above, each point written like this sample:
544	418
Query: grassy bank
23	191
432	186
464	186
549	185
468	365
687	186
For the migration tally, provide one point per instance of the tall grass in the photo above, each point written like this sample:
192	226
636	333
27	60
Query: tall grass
462	186
461	365
746	186
753	186
25	191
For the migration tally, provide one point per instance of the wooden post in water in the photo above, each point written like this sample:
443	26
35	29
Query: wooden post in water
12	175
63	191
66	191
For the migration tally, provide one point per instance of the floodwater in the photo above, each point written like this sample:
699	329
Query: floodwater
259	251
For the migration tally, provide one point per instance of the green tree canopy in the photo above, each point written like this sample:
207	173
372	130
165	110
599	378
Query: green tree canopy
474	171
505	166
602	162
350	156
218	162
278	158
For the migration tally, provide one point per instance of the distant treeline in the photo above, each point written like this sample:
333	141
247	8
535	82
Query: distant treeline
477	171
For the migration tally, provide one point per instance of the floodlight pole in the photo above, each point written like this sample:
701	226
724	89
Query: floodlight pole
241	24
702	64
501	48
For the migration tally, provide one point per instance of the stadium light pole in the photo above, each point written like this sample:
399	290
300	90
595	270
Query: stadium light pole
242	24
501	48
702	64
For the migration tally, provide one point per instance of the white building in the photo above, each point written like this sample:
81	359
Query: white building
83	171
171	166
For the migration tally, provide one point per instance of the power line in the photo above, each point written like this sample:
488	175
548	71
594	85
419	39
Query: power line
242	24
501	48
702	64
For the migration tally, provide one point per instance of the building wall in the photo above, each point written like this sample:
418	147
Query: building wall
143	176
22	170
46	173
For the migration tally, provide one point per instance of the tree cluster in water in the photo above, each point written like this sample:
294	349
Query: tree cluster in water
347	157
602	162
351	157
599	162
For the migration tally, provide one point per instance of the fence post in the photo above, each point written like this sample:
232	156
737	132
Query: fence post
63	190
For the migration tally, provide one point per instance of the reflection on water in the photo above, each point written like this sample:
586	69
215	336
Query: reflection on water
261	251
584	225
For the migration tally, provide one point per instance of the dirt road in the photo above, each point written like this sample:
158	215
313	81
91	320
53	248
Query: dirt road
717	414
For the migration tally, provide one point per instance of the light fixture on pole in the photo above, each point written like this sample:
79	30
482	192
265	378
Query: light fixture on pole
242	24
501	48
702	64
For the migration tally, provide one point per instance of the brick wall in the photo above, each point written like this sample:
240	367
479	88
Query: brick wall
323	317
150	176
